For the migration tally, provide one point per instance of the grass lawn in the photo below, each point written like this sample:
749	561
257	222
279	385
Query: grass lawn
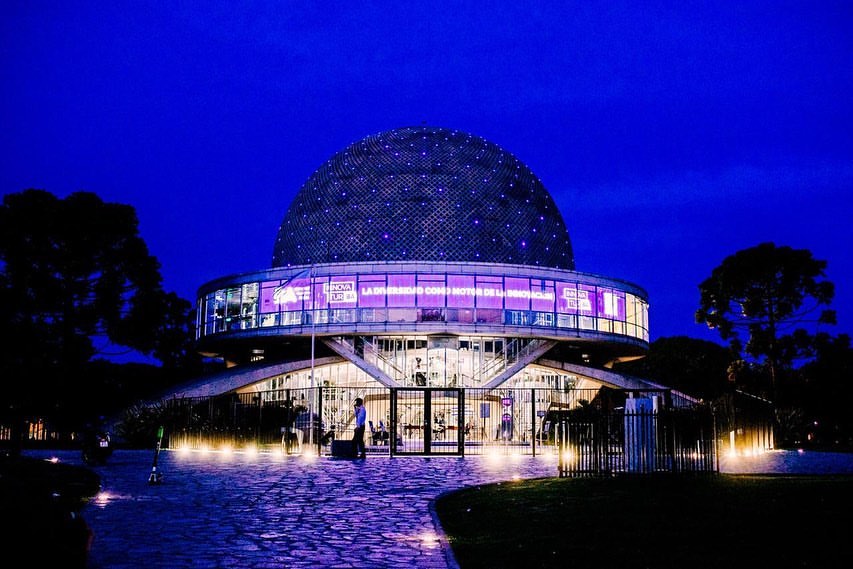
687	522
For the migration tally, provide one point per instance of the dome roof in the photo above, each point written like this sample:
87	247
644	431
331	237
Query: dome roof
423	194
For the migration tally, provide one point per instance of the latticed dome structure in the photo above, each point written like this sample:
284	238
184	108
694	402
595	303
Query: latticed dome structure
423	194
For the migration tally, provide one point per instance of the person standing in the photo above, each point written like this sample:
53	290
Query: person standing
358	448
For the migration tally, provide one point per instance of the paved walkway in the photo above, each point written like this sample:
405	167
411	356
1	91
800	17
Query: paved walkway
265	511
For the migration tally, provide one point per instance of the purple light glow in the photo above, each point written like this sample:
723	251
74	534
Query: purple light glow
442	291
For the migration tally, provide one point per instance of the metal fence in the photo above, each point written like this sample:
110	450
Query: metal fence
593	431
745	423
641	437
400	421
292	419
591	428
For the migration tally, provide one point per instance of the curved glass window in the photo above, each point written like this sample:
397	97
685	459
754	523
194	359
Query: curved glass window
424	297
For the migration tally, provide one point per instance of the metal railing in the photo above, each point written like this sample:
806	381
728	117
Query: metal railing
636	439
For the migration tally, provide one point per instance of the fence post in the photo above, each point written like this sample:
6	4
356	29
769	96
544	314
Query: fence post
533	420
320	433
460	422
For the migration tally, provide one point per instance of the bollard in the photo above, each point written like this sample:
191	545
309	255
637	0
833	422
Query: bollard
156	477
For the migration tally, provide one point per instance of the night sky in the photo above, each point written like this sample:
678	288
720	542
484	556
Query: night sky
670	136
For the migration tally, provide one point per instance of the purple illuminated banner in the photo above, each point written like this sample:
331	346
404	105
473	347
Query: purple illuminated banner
567	298
542	297
402	290
517	292
575	299
611	304
489	292
432	291
440	291
288	296
267	293
462	292
586	300
340	292
371	291
319	287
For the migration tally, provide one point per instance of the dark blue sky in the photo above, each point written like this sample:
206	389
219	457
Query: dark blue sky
670	135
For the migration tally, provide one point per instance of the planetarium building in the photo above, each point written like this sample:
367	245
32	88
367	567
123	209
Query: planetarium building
429	272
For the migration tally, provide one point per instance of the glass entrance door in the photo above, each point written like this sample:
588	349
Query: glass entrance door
428	421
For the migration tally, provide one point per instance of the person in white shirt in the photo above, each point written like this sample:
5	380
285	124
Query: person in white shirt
358	447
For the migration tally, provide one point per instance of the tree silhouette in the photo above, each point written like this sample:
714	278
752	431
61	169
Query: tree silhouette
78	282
767	293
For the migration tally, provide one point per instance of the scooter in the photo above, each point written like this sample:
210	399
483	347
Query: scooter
97	448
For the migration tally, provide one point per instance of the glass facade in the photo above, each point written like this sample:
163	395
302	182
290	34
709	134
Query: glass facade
427	297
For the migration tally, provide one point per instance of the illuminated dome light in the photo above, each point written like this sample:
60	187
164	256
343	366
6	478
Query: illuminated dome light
425	194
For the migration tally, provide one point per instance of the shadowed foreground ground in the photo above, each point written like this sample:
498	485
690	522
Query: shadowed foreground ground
719	521
40	505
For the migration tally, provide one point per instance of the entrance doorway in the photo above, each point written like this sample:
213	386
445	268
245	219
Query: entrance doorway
428	421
